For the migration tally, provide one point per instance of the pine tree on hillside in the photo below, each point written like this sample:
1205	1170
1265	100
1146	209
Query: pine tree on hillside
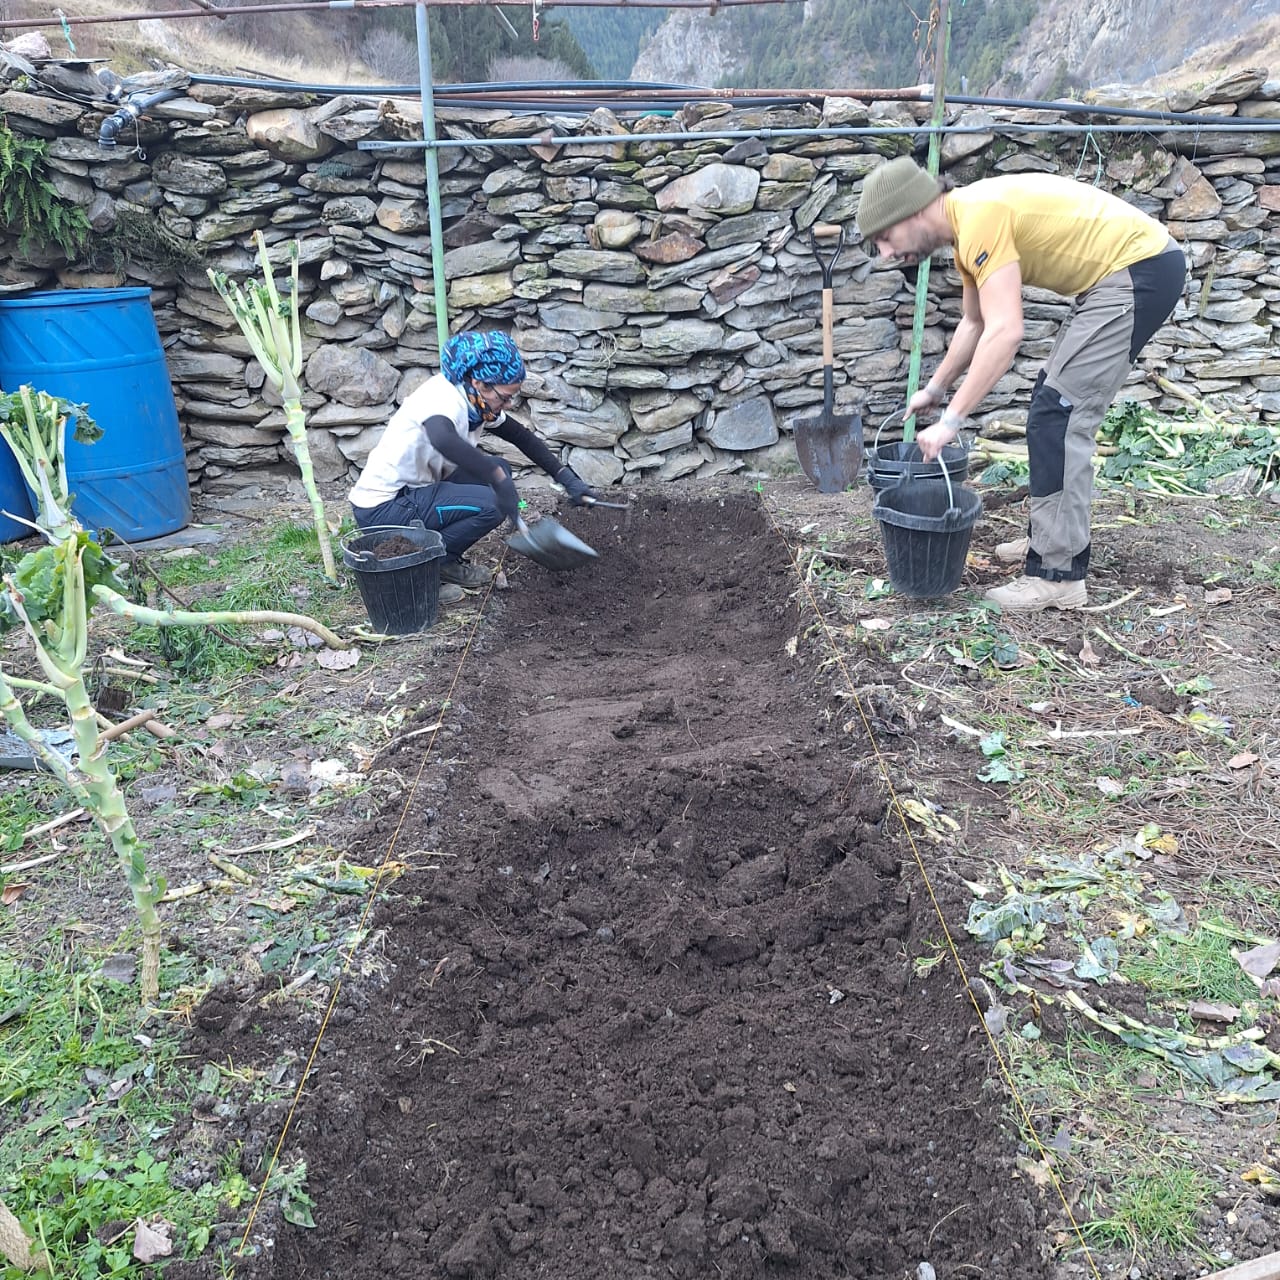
465	41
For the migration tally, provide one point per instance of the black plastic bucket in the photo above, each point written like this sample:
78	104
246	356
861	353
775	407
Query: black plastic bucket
900	459
926	529
889	463
400	586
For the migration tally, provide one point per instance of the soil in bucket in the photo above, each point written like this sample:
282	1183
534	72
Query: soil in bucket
926	527
396	545
397	571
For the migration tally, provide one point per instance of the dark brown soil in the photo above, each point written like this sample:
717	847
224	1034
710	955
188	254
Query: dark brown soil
398	545
655	1013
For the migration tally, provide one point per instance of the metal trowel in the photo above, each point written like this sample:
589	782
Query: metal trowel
548	543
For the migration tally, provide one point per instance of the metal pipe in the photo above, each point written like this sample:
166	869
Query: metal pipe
917	94
654	91
434	219
1267	126
564	107
566	94
693	93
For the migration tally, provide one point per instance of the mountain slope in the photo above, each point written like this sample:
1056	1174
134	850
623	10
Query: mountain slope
1080	44
1029	47
827	44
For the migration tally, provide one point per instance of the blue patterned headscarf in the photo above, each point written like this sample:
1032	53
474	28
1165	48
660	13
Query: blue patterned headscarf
481	356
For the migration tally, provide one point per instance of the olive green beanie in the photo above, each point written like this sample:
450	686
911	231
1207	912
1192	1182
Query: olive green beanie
893	191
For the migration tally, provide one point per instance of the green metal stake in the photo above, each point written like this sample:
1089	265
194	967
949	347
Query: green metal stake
433	171
922	275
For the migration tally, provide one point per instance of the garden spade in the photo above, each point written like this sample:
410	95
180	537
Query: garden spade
548	543
829	447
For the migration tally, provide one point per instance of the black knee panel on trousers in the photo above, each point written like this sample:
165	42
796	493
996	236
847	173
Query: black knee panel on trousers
1077	573
1047	438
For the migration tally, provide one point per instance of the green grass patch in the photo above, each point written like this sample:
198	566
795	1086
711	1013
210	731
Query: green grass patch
27	800
278	570
1266	570
1253	907
1088	1074
287	544
86	1099
1145	1210
1088	1098
1192	966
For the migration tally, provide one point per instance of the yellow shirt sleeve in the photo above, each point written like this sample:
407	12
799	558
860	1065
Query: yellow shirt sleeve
992	244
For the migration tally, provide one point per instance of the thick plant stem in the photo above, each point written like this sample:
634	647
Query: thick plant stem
17	720
183	618
31	451
295	419
106	803
274	334
61	653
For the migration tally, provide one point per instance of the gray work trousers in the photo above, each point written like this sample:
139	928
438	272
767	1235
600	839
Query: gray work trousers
1090	360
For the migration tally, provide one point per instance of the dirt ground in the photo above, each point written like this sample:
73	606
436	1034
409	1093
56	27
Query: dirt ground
653	1015
642	999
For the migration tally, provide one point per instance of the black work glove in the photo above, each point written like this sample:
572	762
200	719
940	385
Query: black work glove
574	485
508	499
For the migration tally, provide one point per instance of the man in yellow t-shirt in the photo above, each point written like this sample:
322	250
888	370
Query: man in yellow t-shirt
1125	274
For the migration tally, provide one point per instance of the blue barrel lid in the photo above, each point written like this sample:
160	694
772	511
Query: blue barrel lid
72	297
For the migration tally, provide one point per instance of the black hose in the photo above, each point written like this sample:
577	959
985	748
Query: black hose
110	128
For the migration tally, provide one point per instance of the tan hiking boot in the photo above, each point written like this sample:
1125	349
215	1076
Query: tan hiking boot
1013	552
1030	595
451	593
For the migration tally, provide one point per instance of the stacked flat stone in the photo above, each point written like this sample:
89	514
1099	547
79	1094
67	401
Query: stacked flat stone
664	293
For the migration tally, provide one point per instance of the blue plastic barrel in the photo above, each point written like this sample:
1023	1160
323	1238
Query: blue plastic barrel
13	498
100	347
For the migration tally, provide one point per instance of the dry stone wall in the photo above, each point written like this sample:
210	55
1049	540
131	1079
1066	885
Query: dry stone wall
664	293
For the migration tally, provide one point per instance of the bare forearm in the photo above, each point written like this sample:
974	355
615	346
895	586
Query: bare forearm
990	360
959	353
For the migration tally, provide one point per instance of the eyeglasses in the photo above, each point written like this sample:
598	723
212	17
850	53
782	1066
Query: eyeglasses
502	397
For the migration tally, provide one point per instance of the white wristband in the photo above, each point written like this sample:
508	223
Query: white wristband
953	423
935	393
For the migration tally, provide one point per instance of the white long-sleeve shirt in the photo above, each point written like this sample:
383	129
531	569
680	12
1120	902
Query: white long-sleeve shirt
404	457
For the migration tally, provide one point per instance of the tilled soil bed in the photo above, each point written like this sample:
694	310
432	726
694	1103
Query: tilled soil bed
653	1011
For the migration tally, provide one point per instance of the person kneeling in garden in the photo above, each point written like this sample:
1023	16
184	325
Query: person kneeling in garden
427	467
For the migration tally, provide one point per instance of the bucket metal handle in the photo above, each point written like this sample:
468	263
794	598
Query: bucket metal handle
902	413
953	513
897	413
952	510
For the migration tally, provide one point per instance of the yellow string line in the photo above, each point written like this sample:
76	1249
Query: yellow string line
928	884
360	924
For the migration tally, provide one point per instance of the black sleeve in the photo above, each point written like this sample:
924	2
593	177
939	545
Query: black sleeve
462	453
529	444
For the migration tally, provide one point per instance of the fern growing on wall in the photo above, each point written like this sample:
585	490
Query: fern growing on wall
30	206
